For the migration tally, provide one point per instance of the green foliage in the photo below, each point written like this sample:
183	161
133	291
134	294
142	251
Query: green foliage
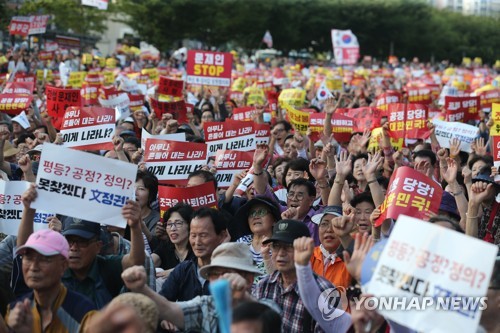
70	14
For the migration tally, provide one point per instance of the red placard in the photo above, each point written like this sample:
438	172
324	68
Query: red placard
262	133
21	88
173	161
461	108
488	98
88	128
19	25
389	97
244	113
170	87
177	109
420	95
45	55
203	195
23	77
365	118
408	121
209	68
496	148
14	104
89	94
136	101
94	79
58	100
230	163
342	126
410	193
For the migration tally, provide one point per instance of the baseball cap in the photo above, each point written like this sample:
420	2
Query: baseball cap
331	210
36	150
82	228
287	231
231	255
127	133
319	144
46	242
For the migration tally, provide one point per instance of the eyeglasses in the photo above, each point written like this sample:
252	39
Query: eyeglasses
298	195
177	224
31	258
80	242
258	212
278	246
325	225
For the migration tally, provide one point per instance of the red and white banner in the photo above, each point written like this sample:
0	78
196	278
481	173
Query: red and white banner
89	94
84	185
28	25
244	113
229	135
170	87
23	77
408	121
209	68
389	97
342	126
410	193
99	4
20	88
58	100
262	134
345	47
365	118
14	104
419	95
461	108
489	97
177	109
89	128
203	195
173	161
230	163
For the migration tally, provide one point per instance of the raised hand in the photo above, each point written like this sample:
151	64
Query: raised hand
303	249
54	223
372	165
362	244
118	143
450	174
260	155
318	170
343	225
20	318
131	212
343	164
480	147
480	192
135	278
29	196
454	147
291	213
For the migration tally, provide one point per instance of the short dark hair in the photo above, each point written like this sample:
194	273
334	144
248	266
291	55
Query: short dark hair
133	140
150	182
285	124
362	197
219	220
256	311
298	164
486	159
358	157
22	138
183	209
311	189
206	175
442	218
426	153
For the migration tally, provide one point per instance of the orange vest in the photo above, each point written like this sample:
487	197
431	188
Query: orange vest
336	273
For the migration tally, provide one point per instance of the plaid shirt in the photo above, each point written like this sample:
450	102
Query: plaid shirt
294	314
200	315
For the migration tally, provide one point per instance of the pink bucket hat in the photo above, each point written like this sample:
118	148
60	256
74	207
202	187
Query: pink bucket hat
47	243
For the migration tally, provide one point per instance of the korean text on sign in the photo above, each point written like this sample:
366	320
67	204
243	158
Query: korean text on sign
209	68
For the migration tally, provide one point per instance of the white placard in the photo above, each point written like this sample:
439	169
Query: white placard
425	269
171	137
121	101
445	131
11	208
84	185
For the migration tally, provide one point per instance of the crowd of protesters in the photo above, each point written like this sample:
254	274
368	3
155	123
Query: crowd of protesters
304	226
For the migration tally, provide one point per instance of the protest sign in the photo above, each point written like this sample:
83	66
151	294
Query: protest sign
230	163
58	100
244	184
298	119
14	104
262	134
88	128
376	137
99	4
408	121
292	97
461	108
364	118
11	208
76	79
342	126
489	97
410	192
136	102
203	195
438	287
209	68
89	94
172	161
244	113
20	88
389	97
256	96
445	131
84	185
171	137
177	109
229	135
170	87
112	101
345	47
23	77
28	25
108	77
419	95
495	116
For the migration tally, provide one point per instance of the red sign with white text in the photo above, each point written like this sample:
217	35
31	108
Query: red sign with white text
262	134
389	97
58	100
420	95
244	113
209	68
177	109
203	195
365	118
229	135
461	108
14	104
22	88
342	126
408	121
410	193
229	163
488	98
